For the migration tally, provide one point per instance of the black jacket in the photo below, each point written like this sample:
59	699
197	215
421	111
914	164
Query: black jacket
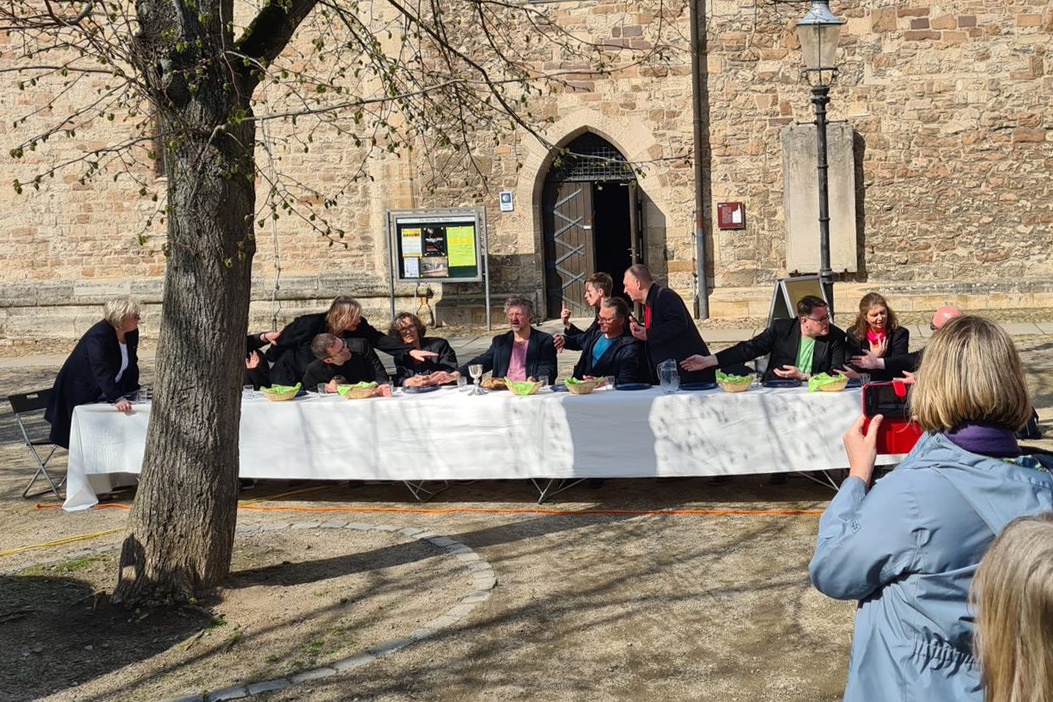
673	334
260	376
356	369
540	359
782	340
621	359
291	354
406	367
88	376
898	347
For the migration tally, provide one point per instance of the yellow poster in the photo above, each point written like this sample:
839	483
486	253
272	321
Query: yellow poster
460	243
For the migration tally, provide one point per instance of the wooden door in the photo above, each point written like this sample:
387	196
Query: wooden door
569	246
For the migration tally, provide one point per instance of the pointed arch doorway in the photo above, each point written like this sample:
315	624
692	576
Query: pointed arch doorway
591	221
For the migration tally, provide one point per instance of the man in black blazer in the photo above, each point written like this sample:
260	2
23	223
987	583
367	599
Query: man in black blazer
524	352
613	351
799	347
668	331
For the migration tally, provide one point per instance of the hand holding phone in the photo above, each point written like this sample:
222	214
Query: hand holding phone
896	434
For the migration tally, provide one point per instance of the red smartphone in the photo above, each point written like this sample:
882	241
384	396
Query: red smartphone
897	433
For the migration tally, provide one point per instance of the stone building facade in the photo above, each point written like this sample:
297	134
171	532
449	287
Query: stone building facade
948	105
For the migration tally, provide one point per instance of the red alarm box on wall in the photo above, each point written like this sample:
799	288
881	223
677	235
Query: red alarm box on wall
897	433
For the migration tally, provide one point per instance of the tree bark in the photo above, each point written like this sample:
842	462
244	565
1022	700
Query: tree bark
181	530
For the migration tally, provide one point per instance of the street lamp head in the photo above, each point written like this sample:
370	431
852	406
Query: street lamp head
818	31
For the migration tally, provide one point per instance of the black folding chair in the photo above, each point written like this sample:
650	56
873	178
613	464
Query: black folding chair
24	407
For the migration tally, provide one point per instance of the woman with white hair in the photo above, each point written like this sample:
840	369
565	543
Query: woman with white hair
907	549
103	367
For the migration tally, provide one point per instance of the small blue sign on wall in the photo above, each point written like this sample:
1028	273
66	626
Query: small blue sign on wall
505	199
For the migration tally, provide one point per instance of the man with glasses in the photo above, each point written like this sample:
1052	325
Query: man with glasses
799	347
336	362
614	351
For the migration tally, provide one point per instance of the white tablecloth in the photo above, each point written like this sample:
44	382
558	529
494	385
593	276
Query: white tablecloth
447	435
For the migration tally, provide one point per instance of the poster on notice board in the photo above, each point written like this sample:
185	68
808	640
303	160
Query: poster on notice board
436	245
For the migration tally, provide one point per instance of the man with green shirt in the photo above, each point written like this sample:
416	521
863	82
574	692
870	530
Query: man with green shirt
799	347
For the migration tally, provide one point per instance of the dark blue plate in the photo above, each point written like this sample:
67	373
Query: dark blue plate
302	393
417	391
854	383
632	386
782	383
698	386
559	388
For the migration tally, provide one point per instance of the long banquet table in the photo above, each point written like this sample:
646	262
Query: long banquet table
449	435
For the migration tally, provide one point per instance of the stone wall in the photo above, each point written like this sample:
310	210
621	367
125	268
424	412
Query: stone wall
949	103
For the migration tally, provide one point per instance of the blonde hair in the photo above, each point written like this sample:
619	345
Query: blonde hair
118	309
341	313
970	373
1012	594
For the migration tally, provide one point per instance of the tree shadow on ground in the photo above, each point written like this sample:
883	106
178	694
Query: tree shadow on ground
97	637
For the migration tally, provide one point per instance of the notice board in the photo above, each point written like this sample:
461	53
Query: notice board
441	245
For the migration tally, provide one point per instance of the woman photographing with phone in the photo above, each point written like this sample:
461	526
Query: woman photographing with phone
908	548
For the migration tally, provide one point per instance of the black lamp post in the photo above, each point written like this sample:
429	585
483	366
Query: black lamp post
818	31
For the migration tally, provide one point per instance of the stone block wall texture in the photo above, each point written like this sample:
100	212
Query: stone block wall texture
949	102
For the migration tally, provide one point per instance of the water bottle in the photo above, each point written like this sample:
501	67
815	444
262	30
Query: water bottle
668	376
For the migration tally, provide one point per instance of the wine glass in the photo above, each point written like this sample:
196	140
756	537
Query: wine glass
476	371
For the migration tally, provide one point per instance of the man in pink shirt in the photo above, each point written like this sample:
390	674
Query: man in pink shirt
522	353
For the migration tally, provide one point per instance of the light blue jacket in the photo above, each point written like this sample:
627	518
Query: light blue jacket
908	551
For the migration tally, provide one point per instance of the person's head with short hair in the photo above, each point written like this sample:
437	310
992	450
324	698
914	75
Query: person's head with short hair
814	315
944	315
344	315
123	313
519	310
637	282
874	315
613	316
1012	595
330	348
598	287
407	328
970	373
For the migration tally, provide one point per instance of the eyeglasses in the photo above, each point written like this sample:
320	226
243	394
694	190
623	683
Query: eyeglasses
343	347
407	328
606	320
821	320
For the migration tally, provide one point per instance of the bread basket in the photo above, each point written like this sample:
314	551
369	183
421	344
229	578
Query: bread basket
583	387
280	395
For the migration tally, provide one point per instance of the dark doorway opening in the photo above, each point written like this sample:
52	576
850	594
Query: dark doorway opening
612	233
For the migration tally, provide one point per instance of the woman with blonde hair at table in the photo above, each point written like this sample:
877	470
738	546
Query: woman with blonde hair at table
1013	597
907	548
291	352
103	367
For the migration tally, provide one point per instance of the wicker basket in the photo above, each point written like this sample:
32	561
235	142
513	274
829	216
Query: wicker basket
583	388
835	387
279	396
736	387
355	393
524	388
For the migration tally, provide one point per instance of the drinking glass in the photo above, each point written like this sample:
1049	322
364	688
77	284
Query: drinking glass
321	389
476	371
610	381
462	383
248	392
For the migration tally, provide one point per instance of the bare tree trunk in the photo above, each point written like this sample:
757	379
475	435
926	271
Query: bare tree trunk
181	530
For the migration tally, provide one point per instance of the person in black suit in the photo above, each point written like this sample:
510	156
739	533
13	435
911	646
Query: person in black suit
799	347
336	362
598	287
522	353
668	330
409	371
614	351
896	365
291	353
877	332
104	367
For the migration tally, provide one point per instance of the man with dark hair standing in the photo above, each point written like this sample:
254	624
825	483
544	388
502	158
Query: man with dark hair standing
668	331
799	347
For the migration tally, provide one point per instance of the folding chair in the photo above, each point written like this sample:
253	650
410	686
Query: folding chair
24	406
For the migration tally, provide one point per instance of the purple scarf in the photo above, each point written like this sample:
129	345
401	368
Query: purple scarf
985	440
